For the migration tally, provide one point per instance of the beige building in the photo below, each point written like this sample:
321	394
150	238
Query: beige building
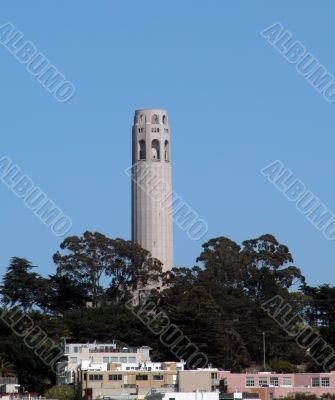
199	379
136	382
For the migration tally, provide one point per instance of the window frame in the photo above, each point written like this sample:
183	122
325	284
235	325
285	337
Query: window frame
287	379
274	381
115	377
263	380
141	377
323	378
248	379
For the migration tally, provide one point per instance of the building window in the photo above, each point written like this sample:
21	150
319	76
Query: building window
114	359
67	350
95	377
262	381
214	375
115	377
155	119
164	119
325	382
274	380
158	377
123	359
132	359
105	360
73	360
250	381
85	376
75	349
287	381
142	150
141	377
155	149
166	150
315	382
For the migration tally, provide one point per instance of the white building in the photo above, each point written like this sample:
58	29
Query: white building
197	395
152	185
151	366
96	354
8	385
88	365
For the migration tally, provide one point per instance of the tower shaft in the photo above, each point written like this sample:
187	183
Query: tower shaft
151	185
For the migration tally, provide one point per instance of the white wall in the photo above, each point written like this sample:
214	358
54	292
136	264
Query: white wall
184	396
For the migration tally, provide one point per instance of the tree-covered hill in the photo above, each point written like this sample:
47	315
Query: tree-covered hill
216	304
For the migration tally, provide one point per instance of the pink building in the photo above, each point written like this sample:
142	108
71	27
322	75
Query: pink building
280	385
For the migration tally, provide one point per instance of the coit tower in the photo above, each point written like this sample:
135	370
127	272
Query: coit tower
151	185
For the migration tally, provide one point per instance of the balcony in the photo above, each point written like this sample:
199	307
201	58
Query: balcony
8	381
112	350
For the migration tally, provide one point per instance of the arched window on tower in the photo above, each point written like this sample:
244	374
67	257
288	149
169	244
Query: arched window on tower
166	150
155	149
142	150
164	119
142	119
154	119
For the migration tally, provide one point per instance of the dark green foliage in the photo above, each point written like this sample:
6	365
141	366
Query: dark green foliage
283	366
63	392
20	286
301	396
93	256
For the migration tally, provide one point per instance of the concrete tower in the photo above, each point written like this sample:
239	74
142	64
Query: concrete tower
151	185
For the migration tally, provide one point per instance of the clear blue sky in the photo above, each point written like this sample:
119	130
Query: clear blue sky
234	105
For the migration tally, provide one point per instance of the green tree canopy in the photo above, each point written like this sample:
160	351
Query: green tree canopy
93	256
20	286
61	392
